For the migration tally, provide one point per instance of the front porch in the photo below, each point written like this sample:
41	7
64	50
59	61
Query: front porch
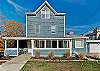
58	45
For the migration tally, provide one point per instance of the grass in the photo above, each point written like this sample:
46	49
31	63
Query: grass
62	66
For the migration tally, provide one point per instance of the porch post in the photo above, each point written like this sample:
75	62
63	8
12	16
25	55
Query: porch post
44	43
5	47
70	46
32	43
57	44
17	46
39	43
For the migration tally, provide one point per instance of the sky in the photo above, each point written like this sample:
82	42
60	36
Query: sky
81	15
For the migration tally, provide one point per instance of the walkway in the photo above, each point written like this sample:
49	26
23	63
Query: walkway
16	63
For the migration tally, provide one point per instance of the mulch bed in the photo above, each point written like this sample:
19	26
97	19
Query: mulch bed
2	62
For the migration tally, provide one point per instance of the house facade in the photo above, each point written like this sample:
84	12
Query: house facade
45	22
45	32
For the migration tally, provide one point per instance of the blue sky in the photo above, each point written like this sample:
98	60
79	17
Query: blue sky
81	15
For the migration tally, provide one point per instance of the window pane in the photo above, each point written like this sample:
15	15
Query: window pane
79	43
43	16
37	29
41	44
53	29
47	16
48	44
54	44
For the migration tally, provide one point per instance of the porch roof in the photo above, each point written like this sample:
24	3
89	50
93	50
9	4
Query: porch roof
34	38
93	41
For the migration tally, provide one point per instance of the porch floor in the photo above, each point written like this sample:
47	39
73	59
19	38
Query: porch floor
16	63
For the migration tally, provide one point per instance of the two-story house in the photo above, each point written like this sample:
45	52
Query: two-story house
45	31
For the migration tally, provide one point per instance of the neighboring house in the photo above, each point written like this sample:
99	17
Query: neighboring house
45	31
95	34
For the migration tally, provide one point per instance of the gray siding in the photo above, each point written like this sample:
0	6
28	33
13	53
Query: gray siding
45	24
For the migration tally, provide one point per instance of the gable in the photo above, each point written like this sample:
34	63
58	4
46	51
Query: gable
45	4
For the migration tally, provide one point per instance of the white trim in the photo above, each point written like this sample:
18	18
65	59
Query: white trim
50	48
70	46
64	27
44	43
32	43
51	43
44	5
23	38
11	48
80	46
53	29
26	25
95	41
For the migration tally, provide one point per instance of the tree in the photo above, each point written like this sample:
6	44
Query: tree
12	29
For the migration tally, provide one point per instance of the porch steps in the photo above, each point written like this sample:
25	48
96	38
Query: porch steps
16	63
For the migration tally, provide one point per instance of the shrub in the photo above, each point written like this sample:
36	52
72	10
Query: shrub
66	54
37	53
51	54
81	56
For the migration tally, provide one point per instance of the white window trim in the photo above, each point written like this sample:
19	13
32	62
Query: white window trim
78	46
45	14
36	28
51	29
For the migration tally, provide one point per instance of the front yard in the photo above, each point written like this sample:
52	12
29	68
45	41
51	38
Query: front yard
62	66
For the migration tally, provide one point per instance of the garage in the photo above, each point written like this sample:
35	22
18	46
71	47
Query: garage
94	47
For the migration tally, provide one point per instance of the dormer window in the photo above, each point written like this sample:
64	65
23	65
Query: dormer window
45	14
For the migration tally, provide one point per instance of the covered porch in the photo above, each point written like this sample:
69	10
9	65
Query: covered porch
44	45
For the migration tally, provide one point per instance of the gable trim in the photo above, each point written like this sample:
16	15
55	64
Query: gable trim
45	3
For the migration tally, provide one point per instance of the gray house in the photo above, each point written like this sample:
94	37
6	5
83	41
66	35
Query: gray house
45	31
45	22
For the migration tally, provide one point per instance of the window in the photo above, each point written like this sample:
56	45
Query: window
53	29
79	44
37	28
45	14
30	29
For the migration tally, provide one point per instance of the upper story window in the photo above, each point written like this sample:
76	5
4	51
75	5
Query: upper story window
45	14
53	29
37	29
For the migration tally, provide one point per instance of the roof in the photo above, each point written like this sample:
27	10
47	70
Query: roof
50	7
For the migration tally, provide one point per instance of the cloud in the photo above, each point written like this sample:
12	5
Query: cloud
19	9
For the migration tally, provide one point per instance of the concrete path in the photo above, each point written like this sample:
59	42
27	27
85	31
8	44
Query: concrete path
16	63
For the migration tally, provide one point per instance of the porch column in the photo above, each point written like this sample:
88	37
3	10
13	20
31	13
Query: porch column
32	43
57	44
51	43
17	46
44	43
5	47
70	46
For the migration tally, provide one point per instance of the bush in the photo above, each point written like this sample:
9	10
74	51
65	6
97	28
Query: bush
51	54
66	54
81	56
37	53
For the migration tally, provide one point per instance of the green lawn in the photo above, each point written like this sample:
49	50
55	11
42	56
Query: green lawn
62	66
